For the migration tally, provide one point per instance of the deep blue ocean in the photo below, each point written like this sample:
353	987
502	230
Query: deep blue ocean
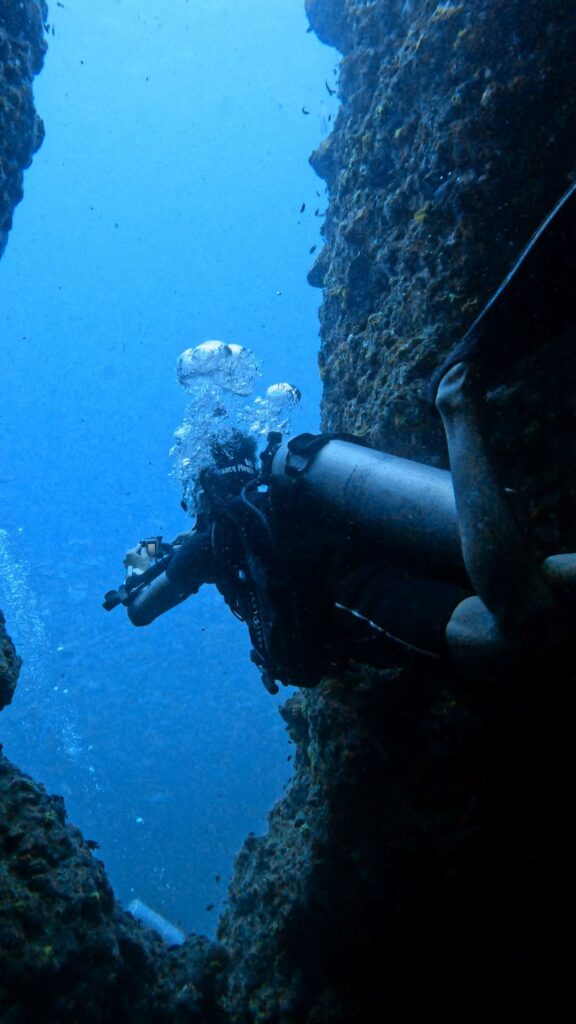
164	208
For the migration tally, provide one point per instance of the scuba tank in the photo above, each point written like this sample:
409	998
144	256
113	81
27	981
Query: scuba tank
380	504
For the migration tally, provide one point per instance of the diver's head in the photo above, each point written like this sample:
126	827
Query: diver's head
233	464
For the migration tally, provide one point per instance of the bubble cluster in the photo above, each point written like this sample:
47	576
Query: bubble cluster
219	378
273	412
230	367
46	700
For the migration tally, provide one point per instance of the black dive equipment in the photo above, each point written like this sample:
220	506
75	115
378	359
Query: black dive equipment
157	549
385	505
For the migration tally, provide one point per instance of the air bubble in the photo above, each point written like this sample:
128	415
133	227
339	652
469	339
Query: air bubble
219	377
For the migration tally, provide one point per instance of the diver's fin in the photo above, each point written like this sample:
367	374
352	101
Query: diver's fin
534	305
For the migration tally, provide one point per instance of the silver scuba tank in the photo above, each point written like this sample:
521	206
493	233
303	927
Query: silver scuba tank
388	506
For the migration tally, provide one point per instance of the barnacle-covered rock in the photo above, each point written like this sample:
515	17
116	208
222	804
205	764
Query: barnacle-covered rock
68	952
423	853
22	48
455	138
9	666
427	836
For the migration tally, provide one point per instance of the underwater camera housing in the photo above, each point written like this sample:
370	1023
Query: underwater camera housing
157	549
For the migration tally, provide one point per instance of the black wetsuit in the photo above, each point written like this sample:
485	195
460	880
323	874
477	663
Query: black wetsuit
264	583
310	605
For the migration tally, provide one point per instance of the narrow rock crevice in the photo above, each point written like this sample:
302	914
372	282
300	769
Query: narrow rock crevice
422	856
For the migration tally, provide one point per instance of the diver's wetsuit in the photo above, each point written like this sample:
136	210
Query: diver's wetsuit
236	548
311	610
193	564
384	610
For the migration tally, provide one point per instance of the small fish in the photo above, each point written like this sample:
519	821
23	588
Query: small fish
217	878
92	844
303	207
58	4
184	505
313	249
210	906
309	29
331	92
304	111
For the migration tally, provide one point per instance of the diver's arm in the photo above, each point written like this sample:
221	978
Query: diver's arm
191	565
502	564
560	574
158	597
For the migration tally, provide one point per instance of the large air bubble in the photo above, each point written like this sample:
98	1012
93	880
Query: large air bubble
231	367
219	378
274	410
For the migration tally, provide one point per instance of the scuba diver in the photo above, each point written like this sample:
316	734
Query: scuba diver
333	552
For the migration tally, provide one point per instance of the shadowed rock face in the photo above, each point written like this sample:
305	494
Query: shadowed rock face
455	138
9	666
22	49
67	952
427	836
424	853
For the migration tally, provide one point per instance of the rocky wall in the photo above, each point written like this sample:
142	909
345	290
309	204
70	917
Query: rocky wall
425	849
422	858
9	665
454	139
22	48
68	954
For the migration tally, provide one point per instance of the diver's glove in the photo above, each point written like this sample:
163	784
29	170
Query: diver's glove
137	560
143	563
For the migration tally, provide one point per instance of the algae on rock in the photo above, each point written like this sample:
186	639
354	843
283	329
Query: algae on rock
22	49
417	859
424	850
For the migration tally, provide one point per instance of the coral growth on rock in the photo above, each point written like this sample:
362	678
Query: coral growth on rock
9	666
427	837
422	858
68	953
22	49
455	138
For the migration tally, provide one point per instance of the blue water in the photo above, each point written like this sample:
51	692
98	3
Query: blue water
162	209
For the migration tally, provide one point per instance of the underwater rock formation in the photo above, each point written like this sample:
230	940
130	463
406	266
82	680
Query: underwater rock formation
424	848
9	666
423	854
67	952
22	48
454	139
